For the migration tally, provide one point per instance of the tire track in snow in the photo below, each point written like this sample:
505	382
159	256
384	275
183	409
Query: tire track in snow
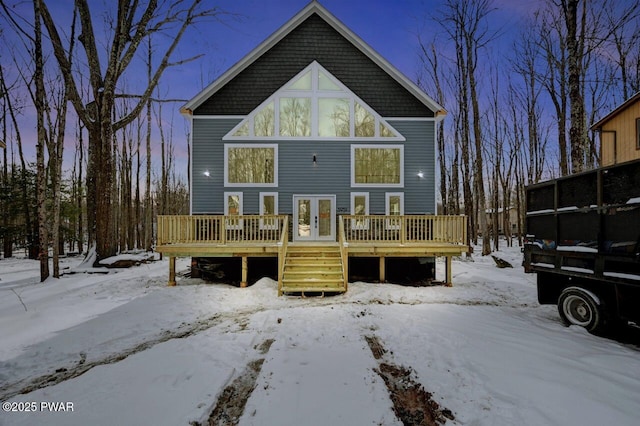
412	404
24	386
233	399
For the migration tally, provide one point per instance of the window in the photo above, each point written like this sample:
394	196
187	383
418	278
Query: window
264	121
295	116
394	206
377	165
359	206
233	207
251	165
314	105
268	206
637	133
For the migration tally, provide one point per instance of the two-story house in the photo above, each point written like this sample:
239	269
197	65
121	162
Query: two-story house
312	146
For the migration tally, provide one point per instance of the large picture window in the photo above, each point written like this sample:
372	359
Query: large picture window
377	165
313	105
251	165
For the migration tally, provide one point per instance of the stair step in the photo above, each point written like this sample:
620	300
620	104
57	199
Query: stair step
312	284
313	274
309	259
310	268
317	255
313	290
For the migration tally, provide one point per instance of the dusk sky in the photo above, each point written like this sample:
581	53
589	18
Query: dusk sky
390	27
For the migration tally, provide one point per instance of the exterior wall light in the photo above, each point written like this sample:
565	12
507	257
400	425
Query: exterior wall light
315	160
421	175
207	173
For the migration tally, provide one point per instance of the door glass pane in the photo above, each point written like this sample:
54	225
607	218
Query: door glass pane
304	217
324	218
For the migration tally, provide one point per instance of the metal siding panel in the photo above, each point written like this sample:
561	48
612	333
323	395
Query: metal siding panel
208	154
419	193
298	175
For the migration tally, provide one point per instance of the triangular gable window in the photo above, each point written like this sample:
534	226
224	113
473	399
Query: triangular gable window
314	105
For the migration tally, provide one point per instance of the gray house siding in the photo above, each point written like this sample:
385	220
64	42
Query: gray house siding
298	175
314	39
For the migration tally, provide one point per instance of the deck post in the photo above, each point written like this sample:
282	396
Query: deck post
172	271
245	270
449	282
382	271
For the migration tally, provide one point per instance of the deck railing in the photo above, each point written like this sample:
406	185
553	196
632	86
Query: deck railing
220	229
269	229
405	229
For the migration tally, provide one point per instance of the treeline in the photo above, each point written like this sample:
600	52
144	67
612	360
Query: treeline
97	66
520	110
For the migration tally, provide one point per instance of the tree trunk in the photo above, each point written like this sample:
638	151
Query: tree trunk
41	177
575	48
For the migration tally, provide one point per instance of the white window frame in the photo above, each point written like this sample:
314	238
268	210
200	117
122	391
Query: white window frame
376	185
354	223
268	224
387	208
251	145
314	94
237	224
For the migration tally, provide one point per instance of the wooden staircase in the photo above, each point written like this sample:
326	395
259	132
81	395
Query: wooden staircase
313	269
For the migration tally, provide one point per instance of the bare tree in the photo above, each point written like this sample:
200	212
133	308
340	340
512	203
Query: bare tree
466	24
133	23
429	57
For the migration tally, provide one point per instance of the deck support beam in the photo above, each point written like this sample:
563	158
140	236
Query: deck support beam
383	276
448	281
172	271
245	271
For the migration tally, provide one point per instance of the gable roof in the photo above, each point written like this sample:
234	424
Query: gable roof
597	126
313	8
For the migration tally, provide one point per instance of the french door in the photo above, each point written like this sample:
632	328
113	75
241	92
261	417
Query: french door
314	217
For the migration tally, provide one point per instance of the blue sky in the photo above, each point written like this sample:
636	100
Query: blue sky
390	27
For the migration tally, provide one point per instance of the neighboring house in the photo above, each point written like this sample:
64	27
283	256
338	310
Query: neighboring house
511	215
620	133
313	137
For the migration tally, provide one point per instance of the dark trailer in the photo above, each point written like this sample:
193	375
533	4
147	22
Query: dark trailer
583	241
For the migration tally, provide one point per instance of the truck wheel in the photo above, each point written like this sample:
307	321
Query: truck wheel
581	307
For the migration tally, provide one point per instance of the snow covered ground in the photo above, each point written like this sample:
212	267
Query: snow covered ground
122	348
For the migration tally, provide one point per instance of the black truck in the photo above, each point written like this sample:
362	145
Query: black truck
583	241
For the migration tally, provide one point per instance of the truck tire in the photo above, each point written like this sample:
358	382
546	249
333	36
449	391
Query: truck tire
578	306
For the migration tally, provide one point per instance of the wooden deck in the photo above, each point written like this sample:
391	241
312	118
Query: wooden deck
268	235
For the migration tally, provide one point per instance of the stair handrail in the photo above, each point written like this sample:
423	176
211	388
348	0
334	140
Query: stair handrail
344	252
282	251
